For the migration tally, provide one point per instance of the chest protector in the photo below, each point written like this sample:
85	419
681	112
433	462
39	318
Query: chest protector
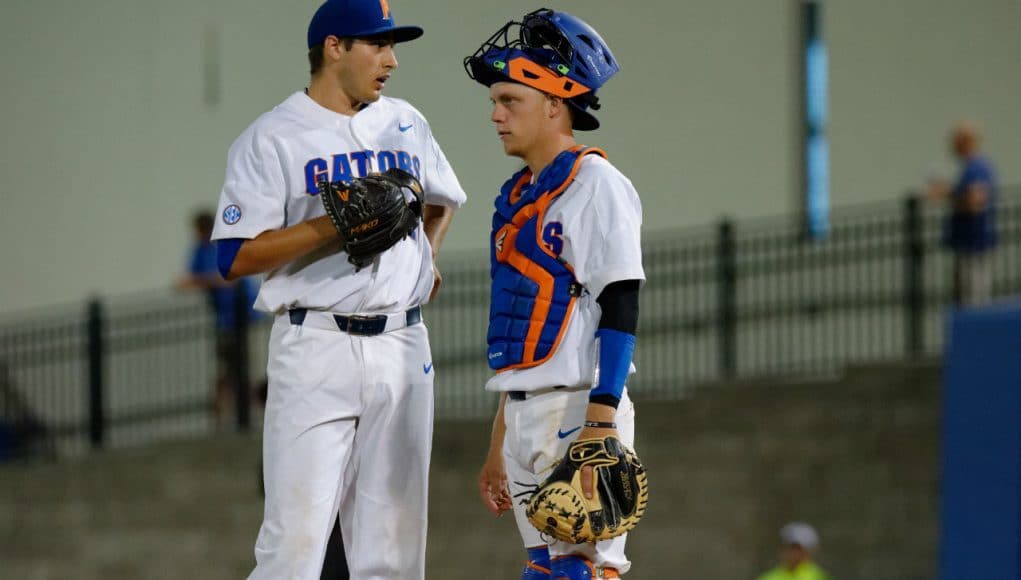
533	289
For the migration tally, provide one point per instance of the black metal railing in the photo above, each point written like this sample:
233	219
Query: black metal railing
732	300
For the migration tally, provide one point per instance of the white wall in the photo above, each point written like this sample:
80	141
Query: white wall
111	138
903	72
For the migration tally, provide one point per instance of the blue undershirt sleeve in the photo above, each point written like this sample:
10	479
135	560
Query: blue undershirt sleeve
226	251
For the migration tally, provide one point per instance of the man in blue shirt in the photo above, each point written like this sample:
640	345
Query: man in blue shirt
203	275
970	231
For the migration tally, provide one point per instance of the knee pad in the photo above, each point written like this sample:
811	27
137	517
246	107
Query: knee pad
537	566
579	568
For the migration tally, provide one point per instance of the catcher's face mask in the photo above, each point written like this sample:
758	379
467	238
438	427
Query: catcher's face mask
553	52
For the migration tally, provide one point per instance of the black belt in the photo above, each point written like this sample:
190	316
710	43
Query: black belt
358	324
522	395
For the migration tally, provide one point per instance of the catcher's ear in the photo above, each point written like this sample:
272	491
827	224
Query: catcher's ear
558	109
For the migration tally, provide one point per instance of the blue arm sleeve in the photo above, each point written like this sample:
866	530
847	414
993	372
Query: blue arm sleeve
195	263
616	350
226	251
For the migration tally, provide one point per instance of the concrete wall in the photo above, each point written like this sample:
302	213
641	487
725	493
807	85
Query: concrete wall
857	458
117	115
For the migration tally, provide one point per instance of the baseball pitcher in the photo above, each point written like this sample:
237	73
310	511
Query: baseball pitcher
341	196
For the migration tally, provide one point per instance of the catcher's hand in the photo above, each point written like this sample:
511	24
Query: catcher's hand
372	213
493	486
560	509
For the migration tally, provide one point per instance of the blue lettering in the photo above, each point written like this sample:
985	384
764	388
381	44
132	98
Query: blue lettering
341	168
345	164
386	160
364	161
315	171
552	235
404	161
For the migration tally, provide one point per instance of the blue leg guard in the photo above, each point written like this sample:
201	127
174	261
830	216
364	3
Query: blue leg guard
537	567
572	568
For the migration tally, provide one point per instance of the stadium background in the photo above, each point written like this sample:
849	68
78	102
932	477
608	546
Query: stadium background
117	116
131	106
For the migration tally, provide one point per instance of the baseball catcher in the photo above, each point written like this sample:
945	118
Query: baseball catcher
620	493
563	304
372	213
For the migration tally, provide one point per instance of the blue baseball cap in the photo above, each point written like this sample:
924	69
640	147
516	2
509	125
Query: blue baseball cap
357	18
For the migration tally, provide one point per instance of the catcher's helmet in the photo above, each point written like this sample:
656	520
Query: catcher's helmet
556	53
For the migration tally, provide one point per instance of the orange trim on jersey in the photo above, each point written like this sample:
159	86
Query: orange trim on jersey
539	77
535	272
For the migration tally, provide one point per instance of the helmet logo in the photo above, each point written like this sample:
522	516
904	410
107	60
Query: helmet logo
385	7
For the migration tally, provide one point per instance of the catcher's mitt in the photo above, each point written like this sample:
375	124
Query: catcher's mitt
621	492
372	213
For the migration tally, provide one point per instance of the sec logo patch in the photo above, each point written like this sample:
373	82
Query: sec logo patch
231	214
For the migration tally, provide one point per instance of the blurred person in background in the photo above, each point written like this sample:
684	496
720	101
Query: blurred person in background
23	434
970	231
203	275
800	542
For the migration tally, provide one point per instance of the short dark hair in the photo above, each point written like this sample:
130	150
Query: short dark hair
571	112
316	58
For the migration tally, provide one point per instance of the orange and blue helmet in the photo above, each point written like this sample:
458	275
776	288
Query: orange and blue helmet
554	52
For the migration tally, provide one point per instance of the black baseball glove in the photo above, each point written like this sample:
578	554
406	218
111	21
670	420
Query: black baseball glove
372	213
560	509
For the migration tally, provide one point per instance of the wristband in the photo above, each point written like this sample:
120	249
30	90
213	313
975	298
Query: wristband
601	424
616	349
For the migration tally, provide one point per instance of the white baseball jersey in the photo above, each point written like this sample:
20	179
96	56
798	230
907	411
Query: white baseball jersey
272	171
327	388
595	226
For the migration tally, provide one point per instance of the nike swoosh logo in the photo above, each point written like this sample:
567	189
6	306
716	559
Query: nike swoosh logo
427	367
404	128
564	434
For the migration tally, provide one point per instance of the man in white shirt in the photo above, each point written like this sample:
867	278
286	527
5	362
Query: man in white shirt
348	422
566	271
